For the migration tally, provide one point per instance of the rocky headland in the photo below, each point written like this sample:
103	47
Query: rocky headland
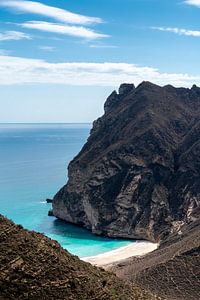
138	175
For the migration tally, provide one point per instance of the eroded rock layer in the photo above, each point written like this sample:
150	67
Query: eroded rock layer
138	175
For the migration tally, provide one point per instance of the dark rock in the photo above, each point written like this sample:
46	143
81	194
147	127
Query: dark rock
111	101
114	99
138	175
49	200
50	213
126	88
33	266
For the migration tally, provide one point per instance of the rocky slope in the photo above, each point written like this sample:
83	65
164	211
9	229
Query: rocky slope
138	175
172	271
33	267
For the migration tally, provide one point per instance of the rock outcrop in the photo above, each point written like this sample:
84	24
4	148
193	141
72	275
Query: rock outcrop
138	175
172	271
33	267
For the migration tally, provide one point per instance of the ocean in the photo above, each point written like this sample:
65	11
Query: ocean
33	166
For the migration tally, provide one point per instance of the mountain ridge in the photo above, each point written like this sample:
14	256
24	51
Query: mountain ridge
137	175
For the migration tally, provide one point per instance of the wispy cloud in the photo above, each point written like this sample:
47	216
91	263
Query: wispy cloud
179	31
58	14
14	35
17	70
193	2
102	46
77	31
68	23
4	52
47	48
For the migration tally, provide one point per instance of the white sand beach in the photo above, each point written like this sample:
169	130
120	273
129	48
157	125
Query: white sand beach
134	249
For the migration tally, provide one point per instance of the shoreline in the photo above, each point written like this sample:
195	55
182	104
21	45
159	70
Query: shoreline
137	248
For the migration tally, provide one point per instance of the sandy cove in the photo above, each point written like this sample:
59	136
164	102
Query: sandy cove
134	249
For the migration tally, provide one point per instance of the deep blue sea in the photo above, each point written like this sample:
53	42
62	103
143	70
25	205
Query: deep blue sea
33	166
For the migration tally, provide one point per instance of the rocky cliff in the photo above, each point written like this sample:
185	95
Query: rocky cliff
138	175
33	267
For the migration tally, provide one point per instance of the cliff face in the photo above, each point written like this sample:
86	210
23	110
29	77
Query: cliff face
138	175
34	267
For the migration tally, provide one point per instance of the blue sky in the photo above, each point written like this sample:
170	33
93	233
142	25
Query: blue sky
60	59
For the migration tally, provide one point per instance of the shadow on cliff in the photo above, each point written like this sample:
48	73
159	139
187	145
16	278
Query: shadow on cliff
63	228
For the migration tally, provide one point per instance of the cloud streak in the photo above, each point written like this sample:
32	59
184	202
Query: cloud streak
77	31
14	35
4	52
103	46
17	70
179	31
47	48
193	2
58	14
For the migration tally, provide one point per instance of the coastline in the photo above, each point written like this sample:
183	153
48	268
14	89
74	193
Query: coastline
138	248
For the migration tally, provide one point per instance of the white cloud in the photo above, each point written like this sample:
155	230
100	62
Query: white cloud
47	48
14	35
193	2
77	31
58	14
179	31
17	70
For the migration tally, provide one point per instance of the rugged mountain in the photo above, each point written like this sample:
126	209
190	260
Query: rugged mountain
138	175
172	271
33	267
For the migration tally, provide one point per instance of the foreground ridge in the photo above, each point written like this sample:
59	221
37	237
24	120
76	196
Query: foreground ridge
138	174
34	267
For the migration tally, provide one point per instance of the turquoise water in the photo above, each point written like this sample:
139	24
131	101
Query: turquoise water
33	166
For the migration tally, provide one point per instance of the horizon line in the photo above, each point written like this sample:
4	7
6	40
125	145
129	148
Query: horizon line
45	123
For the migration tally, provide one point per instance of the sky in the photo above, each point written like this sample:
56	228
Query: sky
60	59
